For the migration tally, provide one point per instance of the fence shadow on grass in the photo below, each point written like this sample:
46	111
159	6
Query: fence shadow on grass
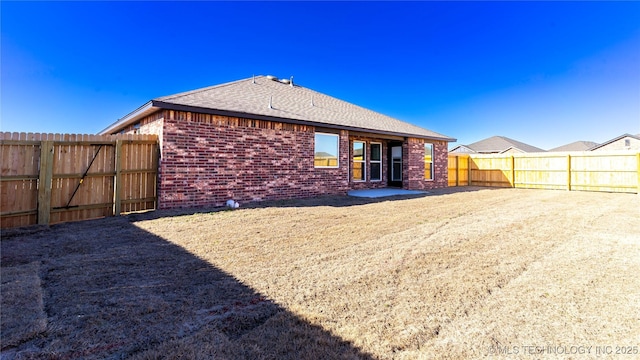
113	290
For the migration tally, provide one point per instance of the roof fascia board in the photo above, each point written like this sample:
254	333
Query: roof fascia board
379	136
178	107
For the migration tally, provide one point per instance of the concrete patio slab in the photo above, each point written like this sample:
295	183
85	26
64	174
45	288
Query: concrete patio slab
377	193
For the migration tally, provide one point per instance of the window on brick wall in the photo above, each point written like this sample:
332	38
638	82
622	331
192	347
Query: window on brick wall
359	155
428	161
326	150
375	161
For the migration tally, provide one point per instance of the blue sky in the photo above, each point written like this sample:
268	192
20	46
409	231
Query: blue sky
545	73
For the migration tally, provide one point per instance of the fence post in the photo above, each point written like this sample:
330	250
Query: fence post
44	182
513	171
117	180
457	171
156	165
568	172
638	170
469	170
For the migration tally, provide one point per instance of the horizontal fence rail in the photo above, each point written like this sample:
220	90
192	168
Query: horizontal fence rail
585	171
53	178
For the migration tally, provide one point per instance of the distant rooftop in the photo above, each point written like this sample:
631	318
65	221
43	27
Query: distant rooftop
496	144
575	146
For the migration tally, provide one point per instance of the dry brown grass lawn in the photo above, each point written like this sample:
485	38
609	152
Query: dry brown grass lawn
21	298
456	274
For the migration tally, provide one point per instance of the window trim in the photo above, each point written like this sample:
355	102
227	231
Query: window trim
431	167
376	162
337	136
363	161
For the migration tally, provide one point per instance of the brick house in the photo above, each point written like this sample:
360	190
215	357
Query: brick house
265	139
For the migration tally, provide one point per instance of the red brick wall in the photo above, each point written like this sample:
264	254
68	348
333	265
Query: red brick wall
207	160
440	165
413	165
151	124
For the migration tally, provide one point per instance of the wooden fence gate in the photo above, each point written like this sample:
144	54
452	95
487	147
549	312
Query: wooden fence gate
53	178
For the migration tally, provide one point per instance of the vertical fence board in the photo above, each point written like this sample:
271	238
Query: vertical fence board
512	171
117	187
457	172
45	179
569	172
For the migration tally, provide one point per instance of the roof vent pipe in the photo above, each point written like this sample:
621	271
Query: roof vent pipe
270	102
291	81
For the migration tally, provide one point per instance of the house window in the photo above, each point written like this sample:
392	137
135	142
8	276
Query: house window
428	161
375	159
358	171
326	150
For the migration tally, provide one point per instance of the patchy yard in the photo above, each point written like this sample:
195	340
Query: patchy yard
456	274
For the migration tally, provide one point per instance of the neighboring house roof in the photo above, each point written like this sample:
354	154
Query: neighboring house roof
499	144
324	154
637	137
575	146
264	98
461	149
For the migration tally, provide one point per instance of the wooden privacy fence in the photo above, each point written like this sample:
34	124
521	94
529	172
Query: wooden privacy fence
52	178
587	171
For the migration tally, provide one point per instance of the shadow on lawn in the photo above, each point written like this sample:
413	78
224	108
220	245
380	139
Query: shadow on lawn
112	290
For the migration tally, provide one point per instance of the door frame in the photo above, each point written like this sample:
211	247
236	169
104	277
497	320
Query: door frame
390	181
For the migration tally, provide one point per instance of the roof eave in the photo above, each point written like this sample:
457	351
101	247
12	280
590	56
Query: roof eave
131	118
203	110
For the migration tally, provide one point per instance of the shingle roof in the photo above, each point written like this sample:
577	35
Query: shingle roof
498	144
273	99
575	146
